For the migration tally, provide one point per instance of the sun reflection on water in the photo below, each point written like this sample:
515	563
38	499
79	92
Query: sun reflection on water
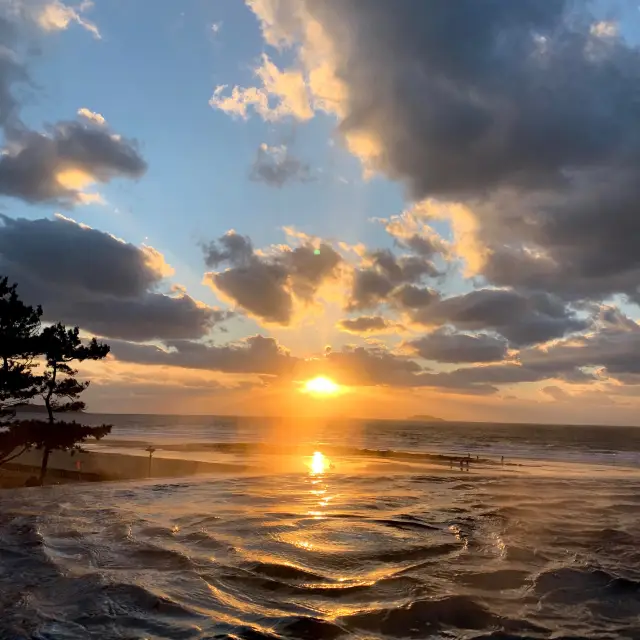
318	463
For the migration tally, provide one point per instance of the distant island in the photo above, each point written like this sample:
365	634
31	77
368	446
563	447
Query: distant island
421	418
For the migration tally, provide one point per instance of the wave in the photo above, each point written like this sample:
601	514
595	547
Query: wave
329	556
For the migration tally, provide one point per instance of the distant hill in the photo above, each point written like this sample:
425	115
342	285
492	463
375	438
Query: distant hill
421	418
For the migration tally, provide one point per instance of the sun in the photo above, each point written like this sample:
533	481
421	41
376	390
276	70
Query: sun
321	386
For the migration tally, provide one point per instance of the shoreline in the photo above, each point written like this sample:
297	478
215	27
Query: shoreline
125	460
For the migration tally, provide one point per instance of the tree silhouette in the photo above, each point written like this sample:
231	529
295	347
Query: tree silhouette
19	344
61	391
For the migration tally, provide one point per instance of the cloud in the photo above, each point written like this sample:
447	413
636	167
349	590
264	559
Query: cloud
614	347
354	366
386	277
268	287
455	111
410	297
279	94
106	286
365	366
96	118
413	233
369	325
56	166
54	15
604	29
446	346
523	319
526	123
275	167
255	354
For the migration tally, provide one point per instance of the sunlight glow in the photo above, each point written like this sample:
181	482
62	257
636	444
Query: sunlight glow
74	179
318	463
321	386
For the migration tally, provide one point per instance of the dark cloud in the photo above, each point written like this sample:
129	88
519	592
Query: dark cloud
523	319
231	247
256	354
387	278
370	366
487	379
411	232
79	256
409	296
276	167
526	111
369	325
421	245
610	353
267	286
87	277
151	316
54	166
446	346
518	99
360	366
578	243
614	348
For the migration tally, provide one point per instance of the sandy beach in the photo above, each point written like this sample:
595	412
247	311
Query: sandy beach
99	466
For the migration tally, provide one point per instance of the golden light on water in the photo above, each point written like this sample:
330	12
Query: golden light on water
321	386
318	463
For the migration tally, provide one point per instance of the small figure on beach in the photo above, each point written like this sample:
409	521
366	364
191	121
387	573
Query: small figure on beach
502	460
461	464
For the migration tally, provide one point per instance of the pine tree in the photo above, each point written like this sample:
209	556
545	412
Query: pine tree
19	345
61	390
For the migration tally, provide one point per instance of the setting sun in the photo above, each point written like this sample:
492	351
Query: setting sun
321	386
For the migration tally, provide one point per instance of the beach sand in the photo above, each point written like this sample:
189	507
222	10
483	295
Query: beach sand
109	465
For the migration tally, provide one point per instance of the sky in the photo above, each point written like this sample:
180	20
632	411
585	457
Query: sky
433	204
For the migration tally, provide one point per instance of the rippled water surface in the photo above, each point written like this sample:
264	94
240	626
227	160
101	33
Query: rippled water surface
324	553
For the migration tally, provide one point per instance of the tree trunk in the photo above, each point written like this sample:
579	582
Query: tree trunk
45	462
47	398
47	402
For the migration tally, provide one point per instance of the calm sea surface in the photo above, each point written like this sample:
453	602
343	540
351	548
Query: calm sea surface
336	530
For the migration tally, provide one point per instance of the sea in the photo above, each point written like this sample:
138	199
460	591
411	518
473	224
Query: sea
334	529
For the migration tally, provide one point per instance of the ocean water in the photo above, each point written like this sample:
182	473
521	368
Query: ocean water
335	530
